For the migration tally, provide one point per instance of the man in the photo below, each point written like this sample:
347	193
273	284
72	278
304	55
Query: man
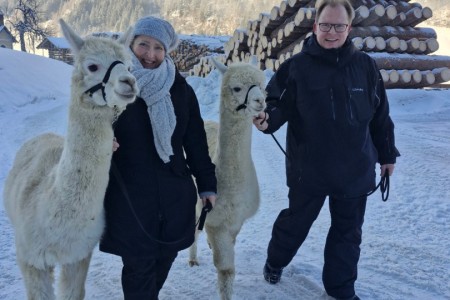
333	99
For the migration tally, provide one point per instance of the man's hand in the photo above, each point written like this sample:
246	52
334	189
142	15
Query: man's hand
115	145
387	167
260	121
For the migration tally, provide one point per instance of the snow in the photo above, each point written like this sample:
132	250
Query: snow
406	240
59	42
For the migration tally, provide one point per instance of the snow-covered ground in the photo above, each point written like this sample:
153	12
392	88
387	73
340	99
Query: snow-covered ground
406	243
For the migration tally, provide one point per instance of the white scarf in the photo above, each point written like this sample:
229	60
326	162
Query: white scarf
154	85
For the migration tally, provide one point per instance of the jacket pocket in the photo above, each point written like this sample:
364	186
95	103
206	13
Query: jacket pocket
359	105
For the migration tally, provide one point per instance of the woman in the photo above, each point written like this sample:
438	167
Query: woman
151	197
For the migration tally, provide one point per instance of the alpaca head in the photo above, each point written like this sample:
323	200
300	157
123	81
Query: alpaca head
101	75
242	90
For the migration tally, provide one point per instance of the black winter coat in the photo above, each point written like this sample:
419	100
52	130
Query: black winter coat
338	119
162	195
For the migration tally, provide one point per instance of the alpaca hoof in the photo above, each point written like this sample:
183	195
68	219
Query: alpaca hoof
193	263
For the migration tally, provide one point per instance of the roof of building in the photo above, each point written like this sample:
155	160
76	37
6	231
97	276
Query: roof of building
54	42
3	28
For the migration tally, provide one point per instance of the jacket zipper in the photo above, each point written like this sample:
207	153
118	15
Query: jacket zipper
350	107
332	104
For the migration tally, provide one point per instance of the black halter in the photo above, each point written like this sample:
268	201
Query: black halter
102	84
244	105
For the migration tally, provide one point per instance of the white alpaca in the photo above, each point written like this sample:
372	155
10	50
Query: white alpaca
242	98
54	192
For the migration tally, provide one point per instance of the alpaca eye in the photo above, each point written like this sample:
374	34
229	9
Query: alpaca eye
237	89
92	68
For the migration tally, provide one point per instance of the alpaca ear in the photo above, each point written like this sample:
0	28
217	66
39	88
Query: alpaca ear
220	66
126	37
74	40
254	61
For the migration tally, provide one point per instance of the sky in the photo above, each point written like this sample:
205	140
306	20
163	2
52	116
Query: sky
406	240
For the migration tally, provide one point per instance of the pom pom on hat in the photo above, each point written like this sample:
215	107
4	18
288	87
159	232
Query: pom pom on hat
159	29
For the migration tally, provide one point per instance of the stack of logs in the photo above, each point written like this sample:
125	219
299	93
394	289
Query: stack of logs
385	29
188	54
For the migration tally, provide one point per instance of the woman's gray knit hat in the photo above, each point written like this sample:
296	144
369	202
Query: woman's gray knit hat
159	29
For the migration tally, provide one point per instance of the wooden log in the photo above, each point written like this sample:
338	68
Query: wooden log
375	13
404	33
416	76
432	46
291	47
403	6
428	78
270	64
412	16
413	45
298	48
277	64
392	44
425	15
403	46
361	13
441	74
274	13
264	42
369	43
380	43
404	76
358	42
276	31
389	15
393	76
283	7
401	61
304	18
295	4
422	47
399	19
385	75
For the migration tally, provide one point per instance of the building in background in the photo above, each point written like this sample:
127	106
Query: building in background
6	38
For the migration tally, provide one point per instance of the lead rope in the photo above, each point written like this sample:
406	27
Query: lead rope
207	208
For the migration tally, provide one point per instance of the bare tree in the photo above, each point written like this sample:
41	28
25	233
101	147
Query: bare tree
27	22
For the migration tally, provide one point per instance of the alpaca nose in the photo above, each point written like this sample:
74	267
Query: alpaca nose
128	80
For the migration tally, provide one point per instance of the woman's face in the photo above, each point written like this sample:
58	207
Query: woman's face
332	27
149	51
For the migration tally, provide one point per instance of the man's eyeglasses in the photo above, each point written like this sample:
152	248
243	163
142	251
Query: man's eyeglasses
326	27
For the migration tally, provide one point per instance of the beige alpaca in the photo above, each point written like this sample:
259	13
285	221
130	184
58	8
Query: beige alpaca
237	184
54	193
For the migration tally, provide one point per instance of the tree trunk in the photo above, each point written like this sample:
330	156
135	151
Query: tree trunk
22	40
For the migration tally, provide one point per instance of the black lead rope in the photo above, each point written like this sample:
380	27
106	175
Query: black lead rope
102	84
384	183
206	209
384	186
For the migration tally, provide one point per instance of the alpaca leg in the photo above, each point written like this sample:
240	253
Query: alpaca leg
72	279
38	282
222	243
193	260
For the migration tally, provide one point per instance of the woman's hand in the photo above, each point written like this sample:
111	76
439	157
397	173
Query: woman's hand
210	198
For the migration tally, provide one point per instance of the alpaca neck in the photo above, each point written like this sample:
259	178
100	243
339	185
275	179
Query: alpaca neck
234	140
83	170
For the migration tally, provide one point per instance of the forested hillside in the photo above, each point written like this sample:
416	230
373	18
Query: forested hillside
187	16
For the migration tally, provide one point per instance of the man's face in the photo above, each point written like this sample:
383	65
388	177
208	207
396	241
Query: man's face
332	27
